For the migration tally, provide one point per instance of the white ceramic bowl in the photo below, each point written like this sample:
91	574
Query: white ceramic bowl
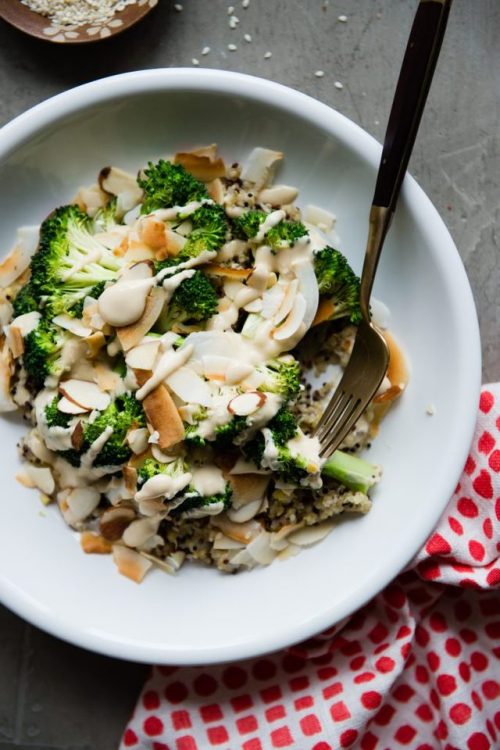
201	616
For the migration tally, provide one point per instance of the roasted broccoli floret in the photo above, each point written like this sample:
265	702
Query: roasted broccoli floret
25	301
69	262
106	218
41	357
151	468
285	234
195	299
209	231
195	501
223	435
166	185
54	417
295	469
123	414
281	376
338	285
246	226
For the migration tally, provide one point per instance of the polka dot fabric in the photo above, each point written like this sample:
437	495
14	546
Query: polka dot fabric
417	668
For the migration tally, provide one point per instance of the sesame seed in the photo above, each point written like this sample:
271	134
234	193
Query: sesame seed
232	47
247	38
342	19
205	50
319	73
245	3
230	10
195	61
430	410
233	22
338	85
178	7
268	55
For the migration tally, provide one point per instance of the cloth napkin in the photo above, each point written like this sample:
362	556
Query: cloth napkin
418	667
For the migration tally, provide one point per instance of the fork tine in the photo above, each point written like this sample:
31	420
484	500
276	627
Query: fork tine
342	427
334	411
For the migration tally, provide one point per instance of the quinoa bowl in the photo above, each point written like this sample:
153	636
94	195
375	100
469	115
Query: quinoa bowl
45	158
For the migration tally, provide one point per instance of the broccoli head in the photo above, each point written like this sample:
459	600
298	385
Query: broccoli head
285	234
195	501
194	300
166	185
283	427
338	284
246	226
209	231
281	376
25	301
42	348
69	262
122	415
54	417
106	218
151	468
223	434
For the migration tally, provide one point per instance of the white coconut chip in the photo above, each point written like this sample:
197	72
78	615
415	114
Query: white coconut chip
137	440
138	532
41	477
246	512
294	320
80	502
73	325
311	534
143	357
131	564
222	541
18	260
259	166
189	387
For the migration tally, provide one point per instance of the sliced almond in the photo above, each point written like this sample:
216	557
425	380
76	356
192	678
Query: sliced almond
117	182
130	477
202	163
152	233
114	521
293	321
224	542
247	488
91	199
94	544
85	394
26	322
161	413
260	548
144	355
238	274
188	386
246	403
69	407
77	436
94	343
259	166
278	195
130	563
139	531
138	440
73	325
133	334
215	190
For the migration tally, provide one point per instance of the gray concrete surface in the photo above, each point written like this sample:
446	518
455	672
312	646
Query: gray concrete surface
53	695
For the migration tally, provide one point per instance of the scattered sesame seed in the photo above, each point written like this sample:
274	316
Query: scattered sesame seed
338	85
233	22
230	10
377	122
342	19
268	55
195	61
232	47
205	50
178	7
247	38
430	410
245	3
319	73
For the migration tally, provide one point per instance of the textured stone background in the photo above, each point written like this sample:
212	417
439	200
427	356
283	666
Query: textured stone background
53	695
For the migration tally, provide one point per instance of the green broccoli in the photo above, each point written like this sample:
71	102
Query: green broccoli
223	435
42	348
25	301
338	283
123	414
151	468
166	185
285	234
69	262
56	418
106	218
194	500
353	472
209	231
246	226
281	376
194	300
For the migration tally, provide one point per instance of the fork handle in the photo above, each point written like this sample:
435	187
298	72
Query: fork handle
414	81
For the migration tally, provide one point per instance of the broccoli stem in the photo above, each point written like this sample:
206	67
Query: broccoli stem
353	472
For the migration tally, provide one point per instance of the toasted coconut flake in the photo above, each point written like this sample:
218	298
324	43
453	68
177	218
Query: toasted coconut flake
132	335
260	165
294	320
215	190
325	311
397	372
139	531
247	467
241	532
91	199
311	534
224	542
18	260
152	506
245	513
130	477
138	440
27	322
247	403
152	232
320	218
389	395
94	544
80	503
69	407
162	458
6	403
15	341
170	564
202	163
73	325
114	521
131	564
278	301
260	548
95	343
189	387
85	394
106	379
143	356
38	448
162	414
247	488
25	480
239	274
278	195
243	557
289	551
308	285
115	181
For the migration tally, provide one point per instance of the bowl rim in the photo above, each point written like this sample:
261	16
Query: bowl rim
25	126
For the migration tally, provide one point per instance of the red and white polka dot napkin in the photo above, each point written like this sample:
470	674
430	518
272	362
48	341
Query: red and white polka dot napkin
417	668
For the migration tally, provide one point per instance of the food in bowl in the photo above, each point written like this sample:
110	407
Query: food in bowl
173	339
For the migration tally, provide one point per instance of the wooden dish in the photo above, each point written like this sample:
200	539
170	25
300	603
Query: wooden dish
34	24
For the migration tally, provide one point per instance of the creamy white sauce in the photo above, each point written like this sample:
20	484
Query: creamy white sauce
163	485
123	303
171	283
208	480
167	364
90	456
212	509
169	214
92	257
270	221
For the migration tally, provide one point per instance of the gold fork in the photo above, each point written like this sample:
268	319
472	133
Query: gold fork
369	360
